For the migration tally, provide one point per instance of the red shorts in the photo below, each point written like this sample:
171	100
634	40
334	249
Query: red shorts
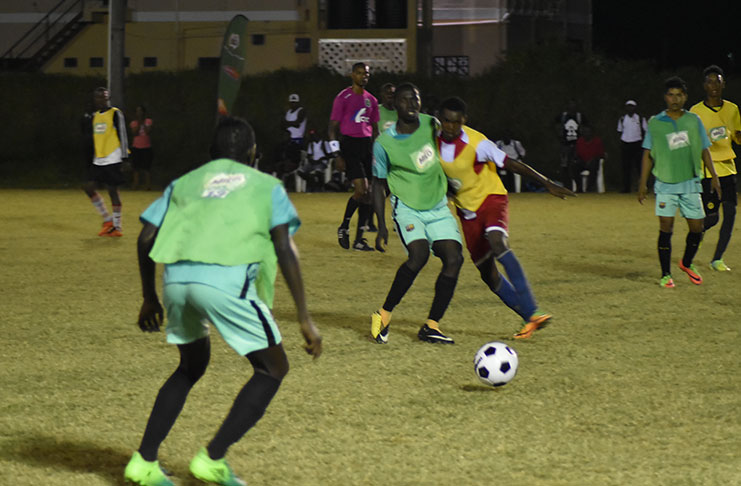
491	214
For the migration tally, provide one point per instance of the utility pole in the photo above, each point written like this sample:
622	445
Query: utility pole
116	41
424	40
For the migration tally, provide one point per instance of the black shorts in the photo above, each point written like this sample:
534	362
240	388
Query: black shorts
710	199
109	175
357	153
141	158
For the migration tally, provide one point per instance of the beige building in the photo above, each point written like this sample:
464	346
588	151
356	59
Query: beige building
467	36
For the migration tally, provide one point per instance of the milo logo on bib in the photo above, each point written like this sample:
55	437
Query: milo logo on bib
425	157
678	140
717	133
99	128
221	185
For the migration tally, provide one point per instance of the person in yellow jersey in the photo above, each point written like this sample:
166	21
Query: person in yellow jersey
470	162
110	149
723	124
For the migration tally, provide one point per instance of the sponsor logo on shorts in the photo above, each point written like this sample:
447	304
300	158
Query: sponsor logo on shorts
711	205
662	205
220	185
409	227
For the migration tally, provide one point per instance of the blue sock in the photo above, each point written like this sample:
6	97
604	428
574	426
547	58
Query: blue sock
508	294
519	282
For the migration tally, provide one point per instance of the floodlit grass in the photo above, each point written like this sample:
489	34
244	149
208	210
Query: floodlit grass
631	384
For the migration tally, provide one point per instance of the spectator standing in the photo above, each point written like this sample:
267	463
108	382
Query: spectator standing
515	151
141	148
568	124
589	151
632	129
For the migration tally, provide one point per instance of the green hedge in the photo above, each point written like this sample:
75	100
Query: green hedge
40	143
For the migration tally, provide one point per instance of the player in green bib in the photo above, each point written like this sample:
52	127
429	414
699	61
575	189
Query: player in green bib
386	111
407	163
675	149
221	230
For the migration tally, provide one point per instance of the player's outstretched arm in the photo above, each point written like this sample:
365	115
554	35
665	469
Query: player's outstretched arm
380	189
525	170
150	314
287	255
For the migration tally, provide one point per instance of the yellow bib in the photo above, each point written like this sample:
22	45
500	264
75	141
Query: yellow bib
104	133
473	187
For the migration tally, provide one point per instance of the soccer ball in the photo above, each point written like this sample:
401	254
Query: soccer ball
495	364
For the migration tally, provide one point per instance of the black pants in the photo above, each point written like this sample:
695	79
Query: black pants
631	153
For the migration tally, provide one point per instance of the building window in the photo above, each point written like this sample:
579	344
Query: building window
150	62
70	62
96	62
302	45
450	65
258	39
208	63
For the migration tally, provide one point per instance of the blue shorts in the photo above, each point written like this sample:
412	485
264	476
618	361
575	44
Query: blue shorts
246	324
690	205
432	225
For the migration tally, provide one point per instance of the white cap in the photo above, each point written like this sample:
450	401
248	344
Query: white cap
631	103
293	97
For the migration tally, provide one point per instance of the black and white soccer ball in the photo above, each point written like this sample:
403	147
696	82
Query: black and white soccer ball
495	364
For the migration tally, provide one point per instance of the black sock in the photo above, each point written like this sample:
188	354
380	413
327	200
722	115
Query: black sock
403	280
444	288
364	211
352	205
692	242
248	408
167	407
665	252
726	228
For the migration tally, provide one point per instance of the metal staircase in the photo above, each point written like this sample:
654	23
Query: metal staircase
45	39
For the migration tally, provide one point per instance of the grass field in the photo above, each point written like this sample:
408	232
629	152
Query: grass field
631	384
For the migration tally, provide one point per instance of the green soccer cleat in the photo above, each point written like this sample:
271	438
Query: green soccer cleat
209	470
145	473
667	282
719	266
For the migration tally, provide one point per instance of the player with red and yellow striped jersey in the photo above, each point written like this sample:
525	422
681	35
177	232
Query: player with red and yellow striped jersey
470	162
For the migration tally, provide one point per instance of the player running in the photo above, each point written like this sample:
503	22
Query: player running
470	162
406	162
220	267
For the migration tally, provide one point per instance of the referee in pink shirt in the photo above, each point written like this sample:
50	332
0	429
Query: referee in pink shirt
353	125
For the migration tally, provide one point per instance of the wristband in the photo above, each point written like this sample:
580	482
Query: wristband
334	146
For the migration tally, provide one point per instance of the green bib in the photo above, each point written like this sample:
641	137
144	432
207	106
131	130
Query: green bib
414	174
677	147
221	214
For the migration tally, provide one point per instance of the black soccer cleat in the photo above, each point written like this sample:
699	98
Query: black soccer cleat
361	245
427	334
343	237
